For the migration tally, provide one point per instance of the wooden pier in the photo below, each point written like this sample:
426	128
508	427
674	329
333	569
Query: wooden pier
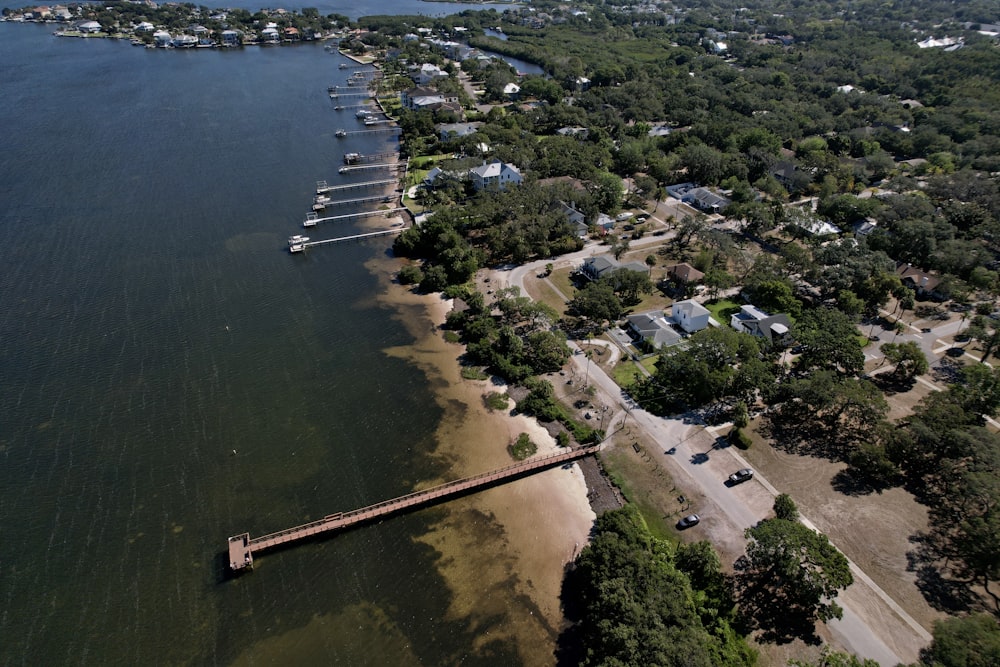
368	167
361	200
322	187
356	158
242	547
374	130
311	221
300	247
334	96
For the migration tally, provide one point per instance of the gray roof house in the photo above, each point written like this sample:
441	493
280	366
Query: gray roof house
752	320
448	131
699	197
597	267
690	315
652	329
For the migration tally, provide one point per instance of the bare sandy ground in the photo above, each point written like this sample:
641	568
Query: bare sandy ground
502	551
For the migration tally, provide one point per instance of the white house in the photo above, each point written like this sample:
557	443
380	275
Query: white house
90	27
427	73
270	35
495	174
162	38
690	315
145	26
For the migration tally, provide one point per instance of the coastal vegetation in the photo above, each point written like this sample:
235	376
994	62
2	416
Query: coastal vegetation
639	600
792	108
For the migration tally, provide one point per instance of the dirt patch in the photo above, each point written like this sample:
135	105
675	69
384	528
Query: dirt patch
873	530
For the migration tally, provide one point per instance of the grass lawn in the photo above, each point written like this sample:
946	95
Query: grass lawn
627	373
722	309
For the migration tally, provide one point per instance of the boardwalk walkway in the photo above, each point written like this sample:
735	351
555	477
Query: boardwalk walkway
242	547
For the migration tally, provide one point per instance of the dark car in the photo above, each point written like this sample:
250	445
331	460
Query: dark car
688	521
741	476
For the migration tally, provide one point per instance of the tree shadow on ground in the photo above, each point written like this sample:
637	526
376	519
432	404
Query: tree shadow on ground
892	383
805	436
942	593
851	482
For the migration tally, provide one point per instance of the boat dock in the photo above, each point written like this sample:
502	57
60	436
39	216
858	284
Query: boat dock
323	188
334	96
312	220
361	167
301	247
354	158
242	547
341	107
361	200
372	130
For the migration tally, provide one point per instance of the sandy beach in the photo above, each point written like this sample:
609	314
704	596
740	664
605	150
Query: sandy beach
502	551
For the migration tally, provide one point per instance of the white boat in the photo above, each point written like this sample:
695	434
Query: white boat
363	113
298	247
309	223
298	238
341	133
351	158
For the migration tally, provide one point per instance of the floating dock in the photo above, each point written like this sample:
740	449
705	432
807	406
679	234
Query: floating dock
242	547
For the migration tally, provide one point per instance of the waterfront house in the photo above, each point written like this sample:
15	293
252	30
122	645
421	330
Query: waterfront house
162	39
495	174
145	26
89	27
270	36
231	38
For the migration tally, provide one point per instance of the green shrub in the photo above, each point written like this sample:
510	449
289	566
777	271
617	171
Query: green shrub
740	439
410	275
474	373
496	401
522	448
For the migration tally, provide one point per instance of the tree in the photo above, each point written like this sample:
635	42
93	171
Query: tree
907	357
830	658
970	641
628	285
596	301
789	578
830	340
785	508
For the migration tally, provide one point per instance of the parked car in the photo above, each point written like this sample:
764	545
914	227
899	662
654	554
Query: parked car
741	476
688	521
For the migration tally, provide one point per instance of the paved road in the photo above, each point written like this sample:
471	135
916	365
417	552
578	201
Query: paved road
693	456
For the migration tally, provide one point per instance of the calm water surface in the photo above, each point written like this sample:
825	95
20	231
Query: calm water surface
151	324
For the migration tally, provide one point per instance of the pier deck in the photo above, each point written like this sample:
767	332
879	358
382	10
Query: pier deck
372	130
242	548
312	222
322	187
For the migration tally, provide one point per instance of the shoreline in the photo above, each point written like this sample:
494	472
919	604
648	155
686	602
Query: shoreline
537	525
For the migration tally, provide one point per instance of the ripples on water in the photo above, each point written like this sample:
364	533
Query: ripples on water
151	324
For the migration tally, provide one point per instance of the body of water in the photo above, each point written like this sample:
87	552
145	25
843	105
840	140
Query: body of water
172	376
